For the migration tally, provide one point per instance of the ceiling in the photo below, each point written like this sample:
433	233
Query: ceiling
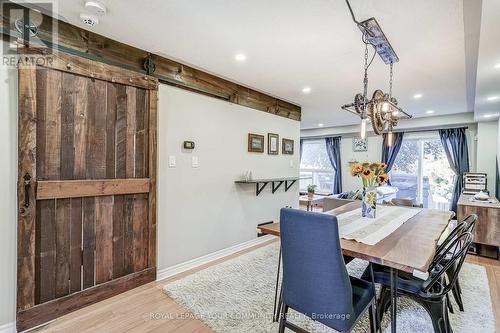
292	44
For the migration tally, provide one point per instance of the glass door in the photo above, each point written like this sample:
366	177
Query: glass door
422	173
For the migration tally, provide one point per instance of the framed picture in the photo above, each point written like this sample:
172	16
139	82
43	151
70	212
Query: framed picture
255	143
273	144
287	145
359	144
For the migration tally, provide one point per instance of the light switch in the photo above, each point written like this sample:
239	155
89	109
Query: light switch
194	161
291	163
171	161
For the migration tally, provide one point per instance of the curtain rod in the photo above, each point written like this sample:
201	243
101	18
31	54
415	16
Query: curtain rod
354	134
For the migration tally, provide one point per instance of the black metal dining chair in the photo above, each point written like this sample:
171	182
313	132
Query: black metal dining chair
430	293
468	224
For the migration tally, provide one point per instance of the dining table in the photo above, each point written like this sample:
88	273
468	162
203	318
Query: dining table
410	248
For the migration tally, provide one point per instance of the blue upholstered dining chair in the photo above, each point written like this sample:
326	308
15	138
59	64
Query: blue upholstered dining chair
315	278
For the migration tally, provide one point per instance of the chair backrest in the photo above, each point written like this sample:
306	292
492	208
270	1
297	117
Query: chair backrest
402	202
315	279
459	229
471	223
454	253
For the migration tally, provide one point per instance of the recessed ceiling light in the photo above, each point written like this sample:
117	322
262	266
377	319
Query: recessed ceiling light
417	96
493	98
490	115
240	57
306	90
320	125
497	66
429	111
95	7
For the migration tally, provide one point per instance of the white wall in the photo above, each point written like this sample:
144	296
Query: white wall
8	194
202	210
487	137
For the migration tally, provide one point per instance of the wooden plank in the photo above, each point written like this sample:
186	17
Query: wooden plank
131	131
88	242
46	252
41	125
152	167
128	234
140	134
53	125
91	188
96	130
80	129
121	132
63	218
110	129
65	62
75	274
59	307
118	230
69	89
411	247
140	232
104	239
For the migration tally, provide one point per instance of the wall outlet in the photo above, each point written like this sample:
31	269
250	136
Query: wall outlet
194	162
171	161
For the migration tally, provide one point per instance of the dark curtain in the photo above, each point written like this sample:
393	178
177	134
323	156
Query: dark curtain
300	148
333	150
389	153
455	145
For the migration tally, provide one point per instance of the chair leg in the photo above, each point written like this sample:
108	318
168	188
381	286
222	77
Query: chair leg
437	310
450	307
283	318
384	302
373	321
458	298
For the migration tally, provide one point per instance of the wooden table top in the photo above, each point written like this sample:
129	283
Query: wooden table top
314	199
410	248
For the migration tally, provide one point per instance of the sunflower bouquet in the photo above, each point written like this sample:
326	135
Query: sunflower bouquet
371	174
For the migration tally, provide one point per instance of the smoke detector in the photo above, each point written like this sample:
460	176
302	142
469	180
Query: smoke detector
95	7
89	20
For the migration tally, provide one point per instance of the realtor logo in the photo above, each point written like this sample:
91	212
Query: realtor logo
27	26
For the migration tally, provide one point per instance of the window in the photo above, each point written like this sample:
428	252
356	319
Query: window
422	173
316	164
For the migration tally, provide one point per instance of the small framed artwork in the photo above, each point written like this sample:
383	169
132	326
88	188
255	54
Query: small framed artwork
273	144
255	143
359	144
287	145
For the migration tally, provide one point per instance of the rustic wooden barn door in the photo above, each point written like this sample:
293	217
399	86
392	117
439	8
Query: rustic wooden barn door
86	187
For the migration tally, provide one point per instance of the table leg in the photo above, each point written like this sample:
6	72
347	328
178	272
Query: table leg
276	308
394	298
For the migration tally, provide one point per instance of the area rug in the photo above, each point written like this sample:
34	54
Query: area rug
236	296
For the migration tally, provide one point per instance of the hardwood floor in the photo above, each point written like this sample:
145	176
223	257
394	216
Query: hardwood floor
148	309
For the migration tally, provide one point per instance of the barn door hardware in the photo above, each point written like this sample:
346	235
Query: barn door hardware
27	186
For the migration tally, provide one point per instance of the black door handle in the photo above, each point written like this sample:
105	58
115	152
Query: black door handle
27	185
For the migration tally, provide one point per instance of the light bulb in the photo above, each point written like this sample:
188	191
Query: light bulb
385	107
395	113
362	133
389	139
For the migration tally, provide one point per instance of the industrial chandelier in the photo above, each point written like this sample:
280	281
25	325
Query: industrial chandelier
382	109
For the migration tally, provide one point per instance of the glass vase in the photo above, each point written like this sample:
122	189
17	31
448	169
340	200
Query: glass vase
369	204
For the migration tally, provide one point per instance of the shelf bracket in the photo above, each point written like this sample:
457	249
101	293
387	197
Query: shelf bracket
277	187
288	185
259	189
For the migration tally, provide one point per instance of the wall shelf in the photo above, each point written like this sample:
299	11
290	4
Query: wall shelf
260	184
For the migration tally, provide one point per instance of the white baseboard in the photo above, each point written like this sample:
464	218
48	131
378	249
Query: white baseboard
193	263
8	328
